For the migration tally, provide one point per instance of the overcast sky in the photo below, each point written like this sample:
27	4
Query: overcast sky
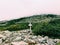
11	9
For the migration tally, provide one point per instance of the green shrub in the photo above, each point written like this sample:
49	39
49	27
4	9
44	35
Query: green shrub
15	27
51	29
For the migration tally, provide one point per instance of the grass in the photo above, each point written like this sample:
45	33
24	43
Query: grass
58	44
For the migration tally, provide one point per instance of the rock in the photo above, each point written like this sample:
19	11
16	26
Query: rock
19	43
34	37
40	37
43	40
6	44
7	33
0	41
2	36
50	42
17	39
46	44
42	44
30	41
46	37
56	40
23	37
37	44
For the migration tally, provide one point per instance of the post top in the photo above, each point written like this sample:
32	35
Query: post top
30	24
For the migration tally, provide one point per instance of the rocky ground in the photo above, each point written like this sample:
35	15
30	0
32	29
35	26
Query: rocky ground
25	37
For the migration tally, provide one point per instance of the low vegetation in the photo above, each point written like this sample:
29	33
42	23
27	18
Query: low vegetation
58	43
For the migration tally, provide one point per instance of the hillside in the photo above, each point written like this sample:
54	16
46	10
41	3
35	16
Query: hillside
33	19
44	24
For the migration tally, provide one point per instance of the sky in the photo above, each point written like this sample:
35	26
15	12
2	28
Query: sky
12	9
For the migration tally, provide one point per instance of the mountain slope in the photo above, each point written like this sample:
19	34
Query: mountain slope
26	20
